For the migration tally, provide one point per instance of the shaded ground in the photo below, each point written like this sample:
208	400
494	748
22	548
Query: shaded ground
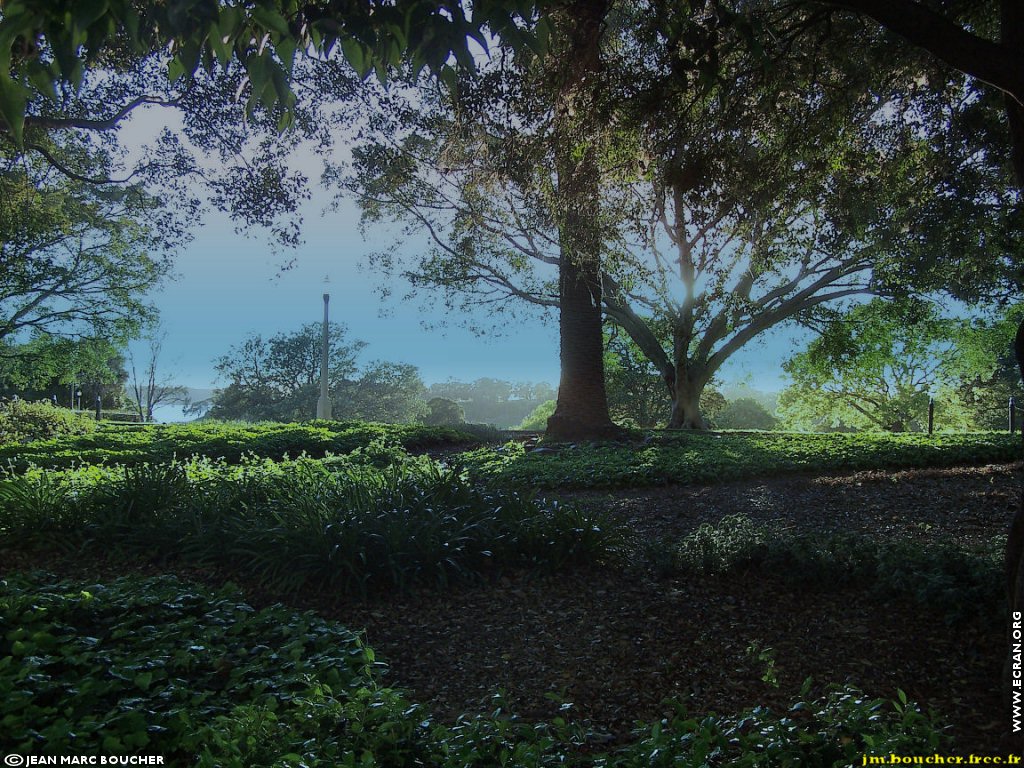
968	505
616	642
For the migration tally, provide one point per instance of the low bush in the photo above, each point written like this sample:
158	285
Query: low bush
537	419
23	422
958	583
334	523
154	443
155	666
124	417
840	729
693	457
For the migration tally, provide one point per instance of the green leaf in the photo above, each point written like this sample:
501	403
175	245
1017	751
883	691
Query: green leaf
230	21
286	49
13	101
286	121
270	20
355	55
42	80
221	45
449	78
175	70
85	13
143	680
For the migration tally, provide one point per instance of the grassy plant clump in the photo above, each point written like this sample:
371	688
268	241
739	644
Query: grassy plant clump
958	583
691	457
24	422
156	666
128	444
338	524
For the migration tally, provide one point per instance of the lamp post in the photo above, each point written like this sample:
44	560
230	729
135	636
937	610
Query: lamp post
323	405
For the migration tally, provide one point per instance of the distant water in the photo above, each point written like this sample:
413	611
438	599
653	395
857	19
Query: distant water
169	414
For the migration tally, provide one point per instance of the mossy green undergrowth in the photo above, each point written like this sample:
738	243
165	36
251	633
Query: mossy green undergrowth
688	457
956	583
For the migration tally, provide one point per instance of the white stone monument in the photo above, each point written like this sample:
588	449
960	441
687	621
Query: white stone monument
323	405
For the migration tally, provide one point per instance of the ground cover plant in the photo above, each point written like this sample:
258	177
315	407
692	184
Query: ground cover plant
337	524
695	457
227	441
158	666
358	525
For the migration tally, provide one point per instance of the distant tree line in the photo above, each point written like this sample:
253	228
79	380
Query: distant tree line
277	378
494	401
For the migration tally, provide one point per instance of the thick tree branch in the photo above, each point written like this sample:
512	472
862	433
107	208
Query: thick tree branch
97	124
994	63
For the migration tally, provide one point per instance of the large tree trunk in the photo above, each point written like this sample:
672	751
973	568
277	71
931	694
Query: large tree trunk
686	413
582	409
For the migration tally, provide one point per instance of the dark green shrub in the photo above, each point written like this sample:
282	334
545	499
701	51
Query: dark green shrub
958	583
735	543
690	457
484	433
745	413
23	422
444	412
837	730
230	442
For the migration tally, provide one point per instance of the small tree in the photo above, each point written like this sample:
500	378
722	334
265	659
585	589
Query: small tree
278	379
149	388
47	367
745	413
637	395
538	419
388	392
875	367
443	412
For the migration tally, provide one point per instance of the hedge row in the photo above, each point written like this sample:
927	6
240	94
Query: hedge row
132	444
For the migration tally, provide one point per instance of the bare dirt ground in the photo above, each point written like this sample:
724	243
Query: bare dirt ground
617	642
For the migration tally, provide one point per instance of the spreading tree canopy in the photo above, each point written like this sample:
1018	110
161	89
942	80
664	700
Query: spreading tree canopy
732	196
77	259
876	367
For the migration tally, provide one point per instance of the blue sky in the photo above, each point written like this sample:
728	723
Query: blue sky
230	285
